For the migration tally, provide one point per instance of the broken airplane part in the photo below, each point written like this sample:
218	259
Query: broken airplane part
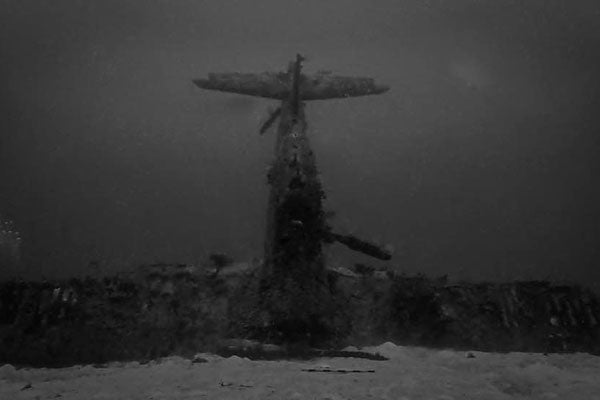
296	222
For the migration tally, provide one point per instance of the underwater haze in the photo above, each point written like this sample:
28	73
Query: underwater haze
481	162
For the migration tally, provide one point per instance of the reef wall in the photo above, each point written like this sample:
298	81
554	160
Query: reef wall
176	309
518	316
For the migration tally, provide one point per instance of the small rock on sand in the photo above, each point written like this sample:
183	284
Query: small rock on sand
8	372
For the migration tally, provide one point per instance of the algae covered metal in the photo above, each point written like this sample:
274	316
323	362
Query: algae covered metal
296	223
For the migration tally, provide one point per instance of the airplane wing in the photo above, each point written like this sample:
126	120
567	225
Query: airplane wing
277	85
325	86
267	84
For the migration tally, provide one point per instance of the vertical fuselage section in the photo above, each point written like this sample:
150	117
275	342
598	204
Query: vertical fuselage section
296	229
295	214
294	295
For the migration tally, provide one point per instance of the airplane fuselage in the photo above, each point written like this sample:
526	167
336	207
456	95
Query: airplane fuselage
293	290
296	226
295	219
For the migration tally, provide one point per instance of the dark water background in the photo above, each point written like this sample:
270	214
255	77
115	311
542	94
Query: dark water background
481	162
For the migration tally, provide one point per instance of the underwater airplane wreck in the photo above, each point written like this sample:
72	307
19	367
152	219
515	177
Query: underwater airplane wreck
297	225
169	308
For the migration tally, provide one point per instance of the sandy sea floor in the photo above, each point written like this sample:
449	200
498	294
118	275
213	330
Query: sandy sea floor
411	373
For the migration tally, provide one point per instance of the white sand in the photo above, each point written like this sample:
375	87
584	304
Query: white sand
411	373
